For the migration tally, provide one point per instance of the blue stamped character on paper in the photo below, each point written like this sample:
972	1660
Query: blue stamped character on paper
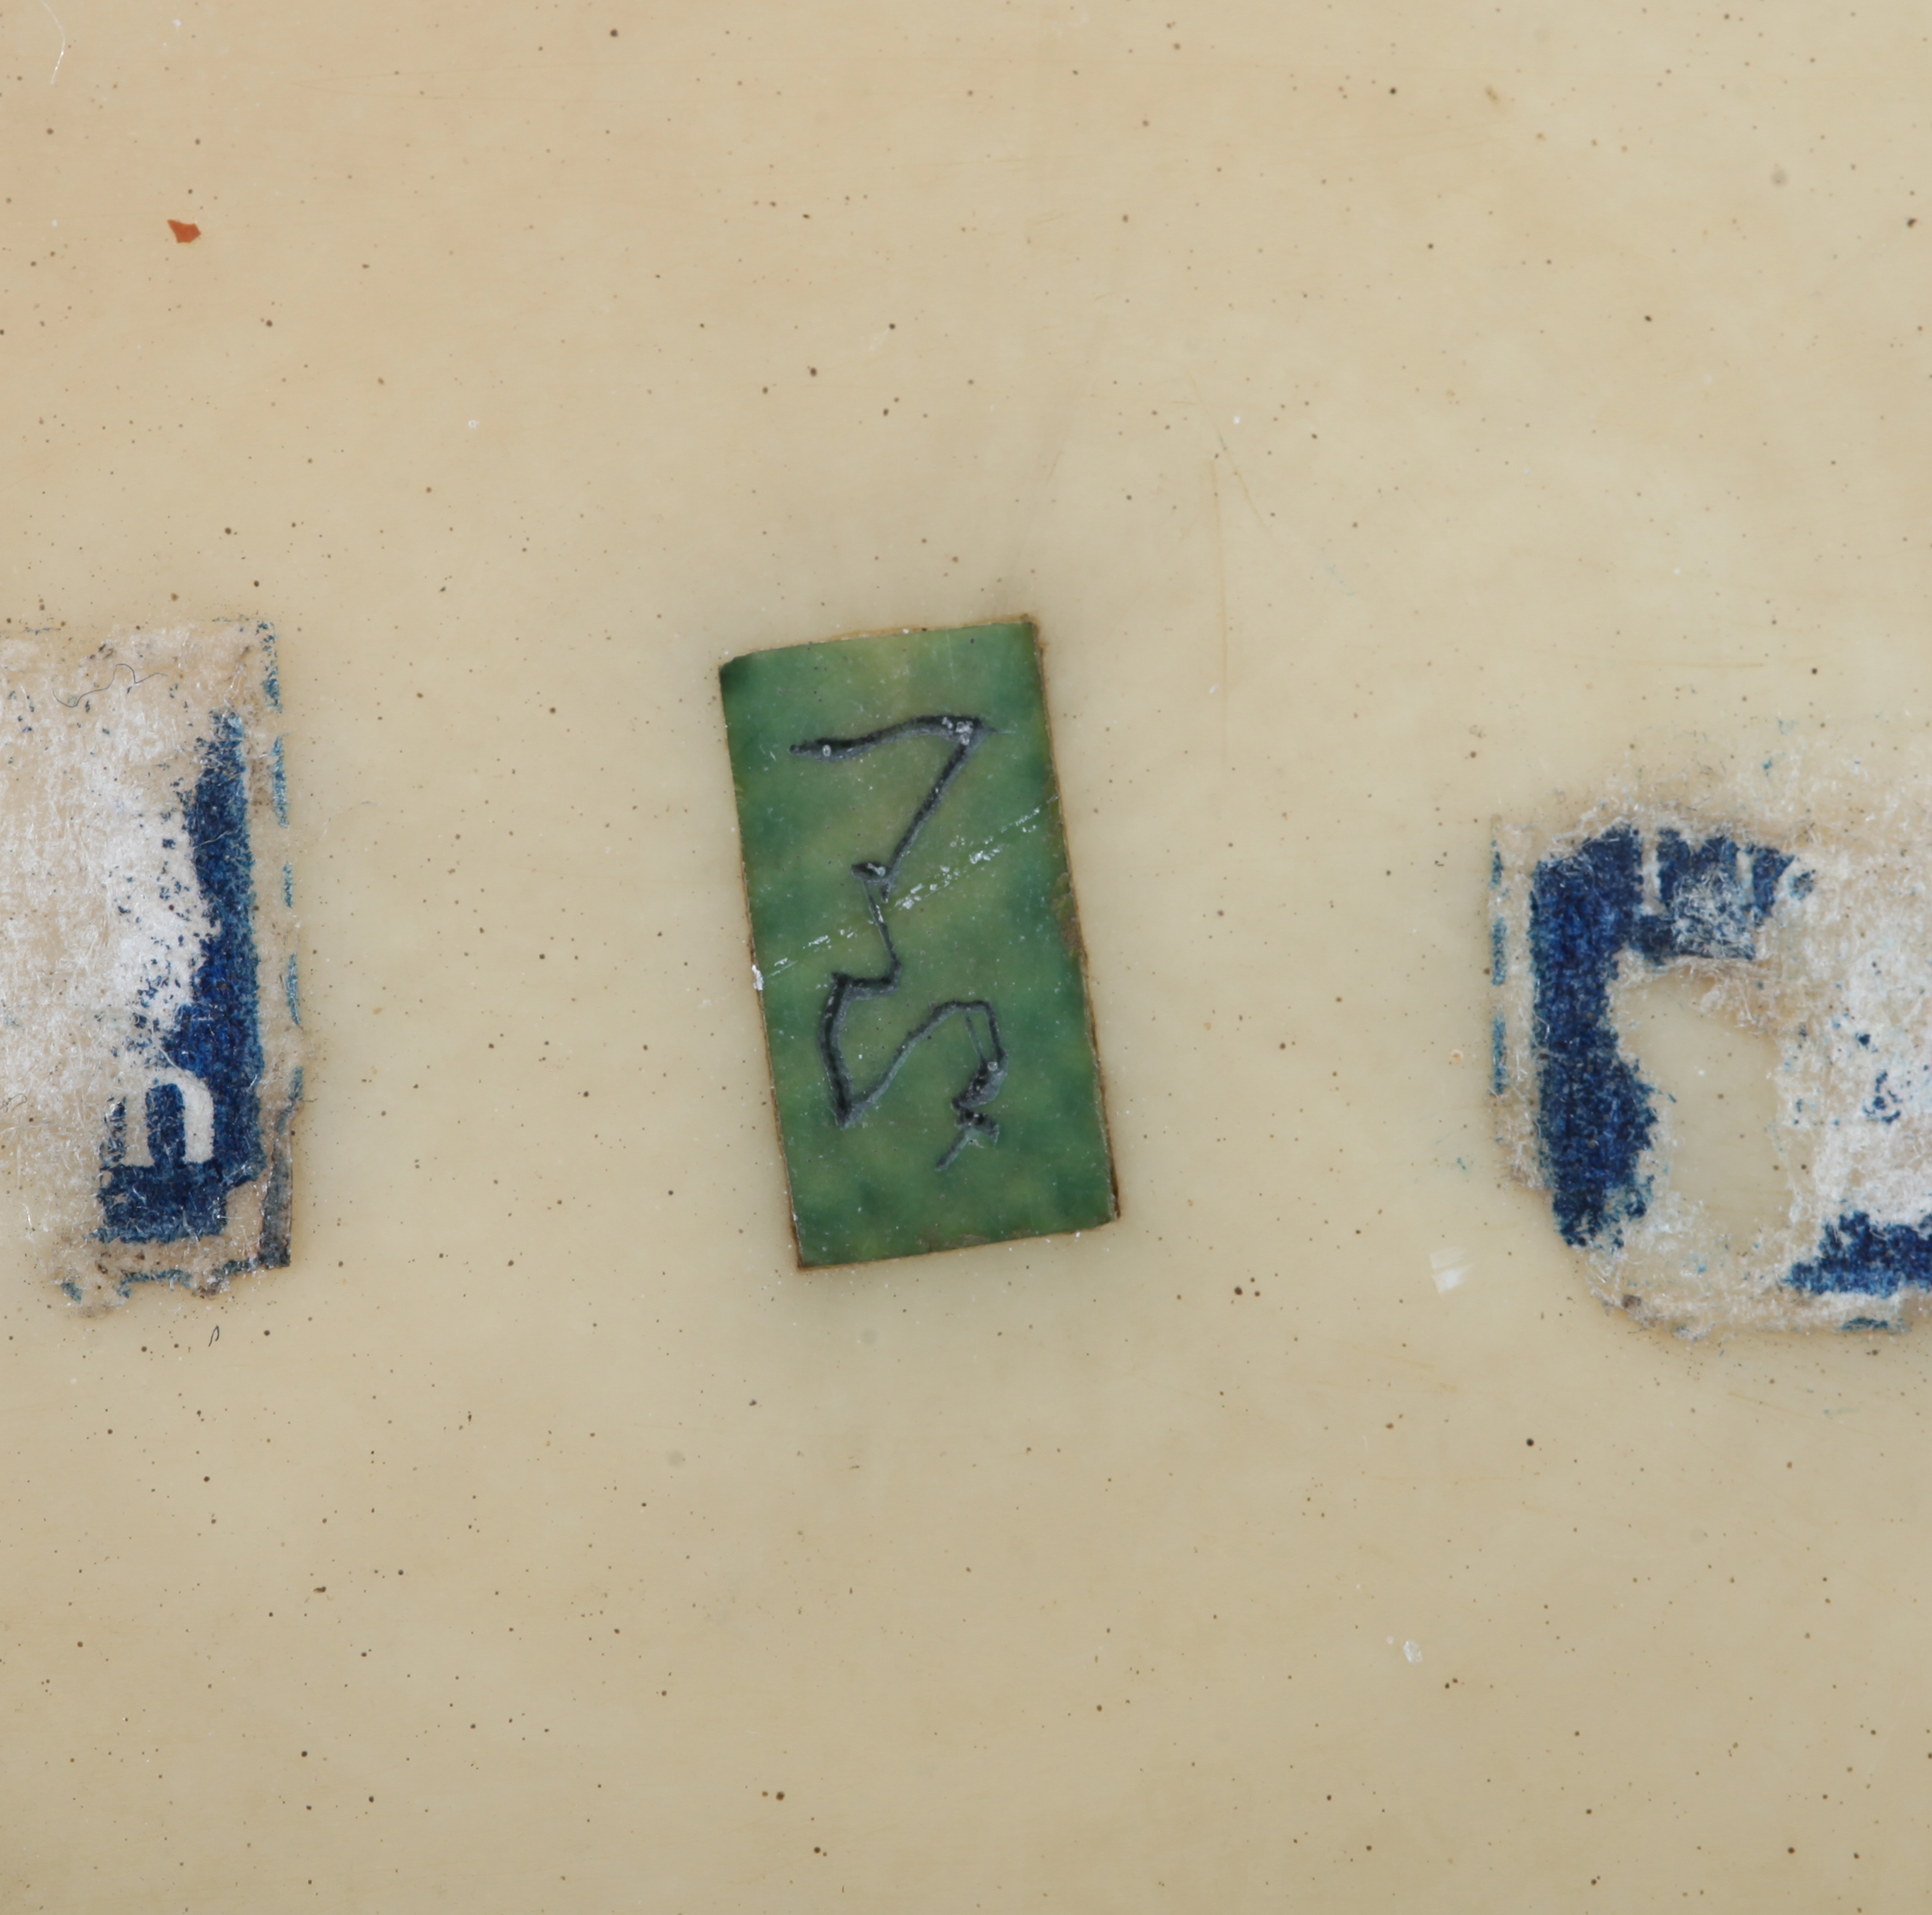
1824	951
148	1036
1596	1115
188	1130
193	1040
1827	952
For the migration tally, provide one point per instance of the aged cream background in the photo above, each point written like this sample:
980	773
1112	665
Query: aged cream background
1392	414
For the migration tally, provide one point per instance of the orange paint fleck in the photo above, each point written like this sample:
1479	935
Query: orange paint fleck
184	230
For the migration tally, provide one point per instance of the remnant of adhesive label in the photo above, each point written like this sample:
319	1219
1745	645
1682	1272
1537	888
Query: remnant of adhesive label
149	1052
1802	913
916	954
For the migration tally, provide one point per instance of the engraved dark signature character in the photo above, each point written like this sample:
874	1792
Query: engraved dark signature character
849	1103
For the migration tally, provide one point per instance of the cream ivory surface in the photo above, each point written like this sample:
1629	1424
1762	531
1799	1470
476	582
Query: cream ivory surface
1396	416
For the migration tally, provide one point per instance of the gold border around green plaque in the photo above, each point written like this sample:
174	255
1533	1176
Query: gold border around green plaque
915	943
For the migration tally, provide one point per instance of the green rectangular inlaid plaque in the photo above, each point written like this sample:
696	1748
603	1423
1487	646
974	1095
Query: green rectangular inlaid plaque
915	942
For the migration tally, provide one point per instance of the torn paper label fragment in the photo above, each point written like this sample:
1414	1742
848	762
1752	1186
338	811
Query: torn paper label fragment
150	1060
1789	917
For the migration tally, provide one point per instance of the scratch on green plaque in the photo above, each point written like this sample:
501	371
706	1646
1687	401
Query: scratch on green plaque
916	943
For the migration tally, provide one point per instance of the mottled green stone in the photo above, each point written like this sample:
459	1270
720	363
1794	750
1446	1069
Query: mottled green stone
978	903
